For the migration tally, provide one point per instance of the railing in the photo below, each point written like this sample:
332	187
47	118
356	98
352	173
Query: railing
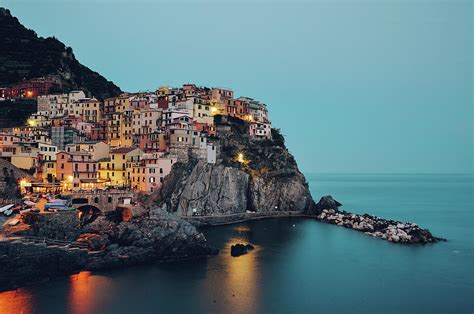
48	241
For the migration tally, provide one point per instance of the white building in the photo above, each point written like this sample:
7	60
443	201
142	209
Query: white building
259	130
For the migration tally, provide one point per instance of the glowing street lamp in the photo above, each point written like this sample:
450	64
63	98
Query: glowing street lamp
240	158
213	110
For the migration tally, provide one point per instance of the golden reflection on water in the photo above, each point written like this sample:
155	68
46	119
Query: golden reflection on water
86	292
16	301
233	281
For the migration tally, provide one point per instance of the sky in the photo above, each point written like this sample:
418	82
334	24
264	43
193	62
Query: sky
355	86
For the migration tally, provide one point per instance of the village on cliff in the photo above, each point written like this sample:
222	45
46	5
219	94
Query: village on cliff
75	143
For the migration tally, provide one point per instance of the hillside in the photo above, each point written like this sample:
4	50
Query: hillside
268	182
9	175
24	55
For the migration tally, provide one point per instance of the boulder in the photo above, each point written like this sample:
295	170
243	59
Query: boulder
240	249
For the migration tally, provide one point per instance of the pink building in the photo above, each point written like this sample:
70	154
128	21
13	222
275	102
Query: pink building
75	167
148	174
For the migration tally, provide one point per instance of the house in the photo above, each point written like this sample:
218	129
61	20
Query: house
72	167
148	174
89	109
260	130
98	149
25	156
114	168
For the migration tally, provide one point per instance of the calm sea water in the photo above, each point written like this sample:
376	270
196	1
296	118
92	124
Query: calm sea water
300	266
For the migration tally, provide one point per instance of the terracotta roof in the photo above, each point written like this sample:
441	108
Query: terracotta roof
122	150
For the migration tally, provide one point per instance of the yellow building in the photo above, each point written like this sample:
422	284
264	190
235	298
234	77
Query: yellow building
122	103
114	169
113	129
90	110
126	134
49	170
202	111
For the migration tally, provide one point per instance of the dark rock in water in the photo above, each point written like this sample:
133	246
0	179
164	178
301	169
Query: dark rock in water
240	249
326	202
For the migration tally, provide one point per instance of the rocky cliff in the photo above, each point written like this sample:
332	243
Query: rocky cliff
24	55
60	244
267	181
9	176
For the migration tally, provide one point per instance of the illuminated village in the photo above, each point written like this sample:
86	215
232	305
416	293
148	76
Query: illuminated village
75	143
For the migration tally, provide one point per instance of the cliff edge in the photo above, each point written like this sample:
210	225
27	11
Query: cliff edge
258	176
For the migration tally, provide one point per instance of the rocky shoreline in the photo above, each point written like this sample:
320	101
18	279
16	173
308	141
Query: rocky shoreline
59	244
326	210
390	230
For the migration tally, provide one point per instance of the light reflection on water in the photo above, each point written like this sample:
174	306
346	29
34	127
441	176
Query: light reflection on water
299	265
86	291
16	301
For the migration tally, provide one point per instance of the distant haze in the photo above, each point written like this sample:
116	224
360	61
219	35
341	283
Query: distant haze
356	86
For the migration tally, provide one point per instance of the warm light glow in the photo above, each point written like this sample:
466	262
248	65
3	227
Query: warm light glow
16	301
250	117
31	122
70	178
23	183
29	94
240	158
87	291
213	110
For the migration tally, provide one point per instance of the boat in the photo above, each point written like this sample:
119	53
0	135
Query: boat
57	200
8	212
65	209
29	203
4	208
14	222
26	210
17	209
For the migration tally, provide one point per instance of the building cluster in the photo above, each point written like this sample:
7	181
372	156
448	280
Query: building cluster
74	142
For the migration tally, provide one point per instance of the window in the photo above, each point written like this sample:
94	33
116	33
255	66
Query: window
109	199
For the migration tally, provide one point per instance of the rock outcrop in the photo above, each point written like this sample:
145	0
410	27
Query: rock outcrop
240	249
9	176
269	180
390	230
65	245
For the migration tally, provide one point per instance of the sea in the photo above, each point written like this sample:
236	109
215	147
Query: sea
300	265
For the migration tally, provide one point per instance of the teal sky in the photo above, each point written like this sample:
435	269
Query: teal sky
356	86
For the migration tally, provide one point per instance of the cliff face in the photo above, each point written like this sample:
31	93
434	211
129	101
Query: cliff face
268	181
9	176
24	55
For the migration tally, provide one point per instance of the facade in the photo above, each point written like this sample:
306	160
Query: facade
147	174
260	130
30	88
128	141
